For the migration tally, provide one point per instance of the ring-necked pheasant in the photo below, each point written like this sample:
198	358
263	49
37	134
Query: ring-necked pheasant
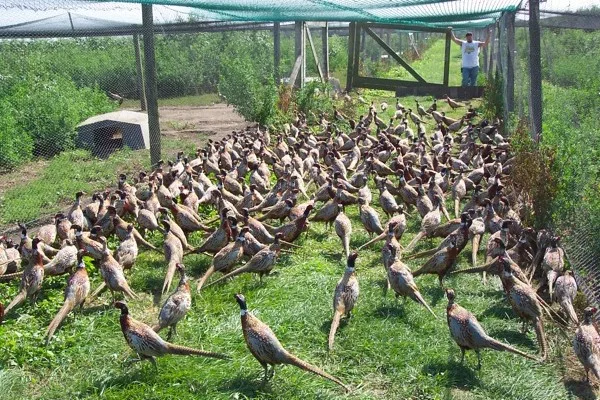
31	281
226	258
176	305
469	334
343	228
78	288
586	344
148	344
266	348
345	297
524	302
566	290
441	262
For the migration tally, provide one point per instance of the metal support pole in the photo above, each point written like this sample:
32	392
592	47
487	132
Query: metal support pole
492	49
351	43
141	89
151	89
276	52
325	45
485	56
510	62
535	69
447	59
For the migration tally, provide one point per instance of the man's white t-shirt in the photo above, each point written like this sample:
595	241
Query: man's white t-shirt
470	54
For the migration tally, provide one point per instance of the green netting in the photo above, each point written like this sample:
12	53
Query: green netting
428	13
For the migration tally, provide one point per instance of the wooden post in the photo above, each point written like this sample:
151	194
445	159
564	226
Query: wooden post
141	89
276	52
351	43
325	46
510	62
300	37
447	59
357	45
492	48
485	56
535	70
314	53
151	89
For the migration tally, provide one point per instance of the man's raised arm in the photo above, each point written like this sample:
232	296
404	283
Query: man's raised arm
454	39
487	38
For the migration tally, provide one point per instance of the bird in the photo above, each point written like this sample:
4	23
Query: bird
401	281
566	290
369	218
553	263
524	302
225	259
586	344
176	306
77	290
469	334
345	297
31	281
148	344
441	262
266	348
343	228
452	103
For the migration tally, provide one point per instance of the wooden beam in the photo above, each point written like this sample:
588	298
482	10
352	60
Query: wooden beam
357	45
314	52
535	70
276	52
151	89
295	71
141	89
394	55
510	62
300	47
389	84
350	69
492	48
325	48
447	58
410	28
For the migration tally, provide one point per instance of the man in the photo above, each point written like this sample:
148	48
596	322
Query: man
470	56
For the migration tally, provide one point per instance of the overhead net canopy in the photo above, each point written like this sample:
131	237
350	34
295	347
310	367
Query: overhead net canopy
19	16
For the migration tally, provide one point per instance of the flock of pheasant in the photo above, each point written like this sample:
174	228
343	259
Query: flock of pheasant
266	190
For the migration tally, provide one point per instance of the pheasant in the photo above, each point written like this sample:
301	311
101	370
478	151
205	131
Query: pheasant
401	281
173	249
452	103
75	213
127	251
225	259
369	218
524	302
469	334
292	230
345	297
112	273
176	306
440	263
343	228
78	288
261	263
31	282
148	345
553	264
430	221
566	290
586	344
266	348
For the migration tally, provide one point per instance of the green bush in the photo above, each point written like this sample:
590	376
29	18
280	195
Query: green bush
314	97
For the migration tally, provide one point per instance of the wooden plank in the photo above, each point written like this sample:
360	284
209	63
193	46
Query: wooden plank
276	52
314	52
492	46
349	70
410	28
394	55
510	63
299	45
141	89
325	48
151	88
447	58
535	70
295	71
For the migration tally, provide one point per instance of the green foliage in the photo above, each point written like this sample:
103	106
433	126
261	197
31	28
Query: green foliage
247	84
493	96
314	97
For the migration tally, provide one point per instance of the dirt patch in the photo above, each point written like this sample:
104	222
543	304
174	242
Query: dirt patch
196	124
22	175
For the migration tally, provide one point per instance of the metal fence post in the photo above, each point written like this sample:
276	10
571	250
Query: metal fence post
151	89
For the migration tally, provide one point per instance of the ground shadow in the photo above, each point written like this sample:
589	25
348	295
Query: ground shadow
457	375
580	389
514	337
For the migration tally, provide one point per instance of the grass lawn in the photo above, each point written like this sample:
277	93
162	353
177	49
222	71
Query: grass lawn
388	350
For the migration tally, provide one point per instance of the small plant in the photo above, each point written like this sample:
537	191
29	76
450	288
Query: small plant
314	97
493	96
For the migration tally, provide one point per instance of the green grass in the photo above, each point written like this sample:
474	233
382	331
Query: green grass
197	101
47	191
388	350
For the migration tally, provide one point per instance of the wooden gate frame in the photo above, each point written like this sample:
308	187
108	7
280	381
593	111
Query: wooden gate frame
401	87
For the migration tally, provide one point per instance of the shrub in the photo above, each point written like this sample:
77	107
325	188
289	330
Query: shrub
314	97
493	96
